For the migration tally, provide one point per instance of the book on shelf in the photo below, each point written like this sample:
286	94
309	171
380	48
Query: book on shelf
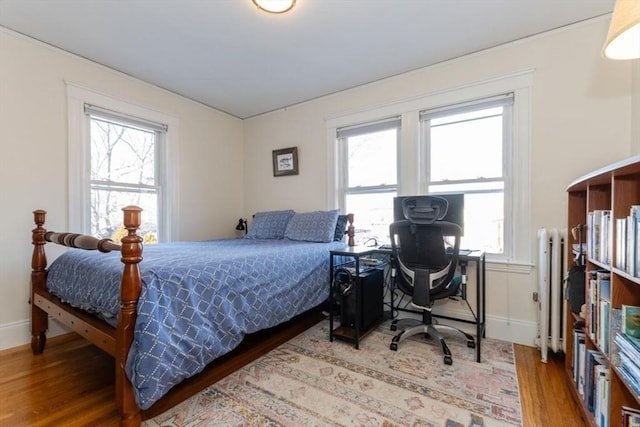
582	371
590	233
621	243
602	402
578	346
631	320
603	327
633	242
616	328
593	358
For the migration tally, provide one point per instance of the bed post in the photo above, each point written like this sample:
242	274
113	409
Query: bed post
129	294
39	318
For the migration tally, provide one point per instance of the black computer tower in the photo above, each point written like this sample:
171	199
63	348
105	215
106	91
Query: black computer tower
370	294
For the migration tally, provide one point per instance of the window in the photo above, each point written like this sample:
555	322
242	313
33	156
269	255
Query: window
465	148
124	171
119	155
473	140
368	175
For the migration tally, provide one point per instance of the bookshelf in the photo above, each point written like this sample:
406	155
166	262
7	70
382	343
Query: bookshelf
604	202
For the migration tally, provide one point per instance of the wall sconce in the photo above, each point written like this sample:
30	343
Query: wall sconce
623	39
275	6
242	225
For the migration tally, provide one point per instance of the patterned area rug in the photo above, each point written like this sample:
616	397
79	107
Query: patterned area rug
310	381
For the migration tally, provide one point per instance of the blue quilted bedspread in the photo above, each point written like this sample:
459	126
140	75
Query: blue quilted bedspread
198	299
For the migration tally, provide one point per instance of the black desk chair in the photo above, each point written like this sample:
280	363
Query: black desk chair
425	255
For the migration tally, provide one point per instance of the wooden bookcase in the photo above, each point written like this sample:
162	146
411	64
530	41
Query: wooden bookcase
616	188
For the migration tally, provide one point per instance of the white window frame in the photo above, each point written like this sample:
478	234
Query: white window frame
79	162
518	252
506	100
343	173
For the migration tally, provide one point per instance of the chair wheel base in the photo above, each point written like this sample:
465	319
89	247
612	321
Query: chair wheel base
393	327
393	346
448	360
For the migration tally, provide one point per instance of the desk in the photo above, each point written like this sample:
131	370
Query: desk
357	253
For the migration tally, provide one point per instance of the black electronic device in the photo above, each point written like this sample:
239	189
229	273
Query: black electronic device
455	211
369	303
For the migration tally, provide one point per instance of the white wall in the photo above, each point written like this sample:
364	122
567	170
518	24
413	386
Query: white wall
581	120
33	169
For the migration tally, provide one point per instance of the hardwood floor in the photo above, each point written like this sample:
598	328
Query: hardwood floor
71	384
545	392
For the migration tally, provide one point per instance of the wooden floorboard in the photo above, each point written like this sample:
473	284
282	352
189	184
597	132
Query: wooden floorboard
71	383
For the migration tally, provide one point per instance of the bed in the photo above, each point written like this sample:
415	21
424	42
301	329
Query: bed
167	317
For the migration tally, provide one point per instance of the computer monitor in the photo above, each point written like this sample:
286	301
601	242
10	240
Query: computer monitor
455	212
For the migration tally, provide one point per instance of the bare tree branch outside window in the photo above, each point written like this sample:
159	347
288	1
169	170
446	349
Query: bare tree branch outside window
123	172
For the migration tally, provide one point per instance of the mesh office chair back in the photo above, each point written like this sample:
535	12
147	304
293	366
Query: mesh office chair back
426	268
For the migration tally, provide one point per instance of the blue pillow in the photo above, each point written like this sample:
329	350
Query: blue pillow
269	225
317	226
341	228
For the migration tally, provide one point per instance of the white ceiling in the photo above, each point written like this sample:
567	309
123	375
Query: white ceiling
231	56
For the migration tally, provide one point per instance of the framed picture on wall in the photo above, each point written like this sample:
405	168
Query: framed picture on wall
285	161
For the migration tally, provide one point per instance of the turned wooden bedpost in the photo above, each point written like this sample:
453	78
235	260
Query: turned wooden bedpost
39	318
351	230
129	294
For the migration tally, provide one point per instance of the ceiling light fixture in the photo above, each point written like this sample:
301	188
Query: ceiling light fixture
275	6
623	39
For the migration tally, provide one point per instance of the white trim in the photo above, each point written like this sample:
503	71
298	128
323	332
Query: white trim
496	327
77	97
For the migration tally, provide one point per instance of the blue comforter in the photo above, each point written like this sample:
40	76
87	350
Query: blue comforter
198	299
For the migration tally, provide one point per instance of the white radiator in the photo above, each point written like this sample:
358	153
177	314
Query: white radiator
551	267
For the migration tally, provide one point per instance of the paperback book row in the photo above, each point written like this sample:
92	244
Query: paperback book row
591	374
599	235
601	229
592	366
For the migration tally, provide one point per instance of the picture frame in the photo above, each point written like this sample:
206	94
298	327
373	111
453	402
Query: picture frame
285	161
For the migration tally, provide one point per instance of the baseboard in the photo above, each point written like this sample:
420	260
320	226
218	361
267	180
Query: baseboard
15	334
513	330
517	331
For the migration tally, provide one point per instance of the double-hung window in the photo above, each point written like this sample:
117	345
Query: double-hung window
119	155
466	151
125	170
368	175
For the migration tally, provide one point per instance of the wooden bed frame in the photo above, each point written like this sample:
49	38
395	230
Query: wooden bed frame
115	341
